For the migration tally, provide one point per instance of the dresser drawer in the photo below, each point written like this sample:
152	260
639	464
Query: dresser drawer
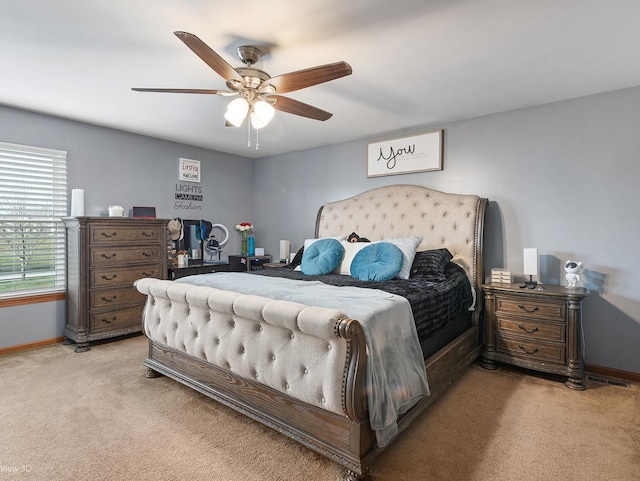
531	328
101	256
105	234
531	307
537	351
114	297
123	276
117	319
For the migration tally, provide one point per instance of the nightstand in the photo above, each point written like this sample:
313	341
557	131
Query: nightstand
536	329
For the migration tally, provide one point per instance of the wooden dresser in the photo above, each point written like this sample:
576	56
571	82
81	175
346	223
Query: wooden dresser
535	328
105	255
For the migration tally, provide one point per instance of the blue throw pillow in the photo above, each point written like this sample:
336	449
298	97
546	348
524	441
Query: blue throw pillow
322	257
377	262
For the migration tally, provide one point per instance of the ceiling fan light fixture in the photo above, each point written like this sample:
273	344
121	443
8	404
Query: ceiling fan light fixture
237	111
261	114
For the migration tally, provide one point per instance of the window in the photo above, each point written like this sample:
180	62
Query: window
33	199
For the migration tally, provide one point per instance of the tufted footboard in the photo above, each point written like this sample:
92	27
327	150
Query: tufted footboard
296	368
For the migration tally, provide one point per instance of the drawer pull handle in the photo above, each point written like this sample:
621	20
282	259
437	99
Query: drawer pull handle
535	308
113	298
146	234
107	321
147	274
109	235
106	256
107	278
533	351
530	331
147	254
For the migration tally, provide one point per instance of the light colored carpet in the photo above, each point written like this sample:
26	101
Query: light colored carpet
94	416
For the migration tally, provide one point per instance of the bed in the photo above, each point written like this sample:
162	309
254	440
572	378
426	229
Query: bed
295	357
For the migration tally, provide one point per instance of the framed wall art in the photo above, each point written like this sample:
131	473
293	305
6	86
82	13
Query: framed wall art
189	170
405	155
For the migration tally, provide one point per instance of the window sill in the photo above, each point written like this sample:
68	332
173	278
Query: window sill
33	299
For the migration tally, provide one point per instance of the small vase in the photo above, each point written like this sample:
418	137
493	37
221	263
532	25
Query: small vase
244	250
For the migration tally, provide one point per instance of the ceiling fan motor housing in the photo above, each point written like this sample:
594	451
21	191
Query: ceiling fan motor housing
248	54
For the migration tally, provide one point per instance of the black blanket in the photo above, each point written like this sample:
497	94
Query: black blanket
433	303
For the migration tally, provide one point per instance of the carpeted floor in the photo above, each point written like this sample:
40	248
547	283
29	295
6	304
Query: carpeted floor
94	416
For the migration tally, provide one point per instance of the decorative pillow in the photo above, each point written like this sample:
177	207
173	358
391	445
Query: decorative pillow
307	243
322	257
408	246
430	264
380	261
350	251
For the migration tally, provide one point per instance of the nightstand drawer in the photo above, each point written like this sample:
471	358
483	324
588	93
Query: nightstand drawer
537	351
553	311
531	328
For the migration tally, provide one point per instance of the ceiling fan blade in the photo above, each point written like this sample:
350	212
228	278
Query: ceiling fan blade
212	59
187	91
290	106
300	79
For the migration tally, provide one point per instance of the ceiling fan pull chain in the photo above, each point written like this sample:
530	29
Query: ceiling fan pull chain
248	135
257	139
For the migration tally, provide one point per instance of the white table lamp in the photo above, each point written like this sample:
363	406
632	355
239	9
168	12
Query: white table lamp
530	265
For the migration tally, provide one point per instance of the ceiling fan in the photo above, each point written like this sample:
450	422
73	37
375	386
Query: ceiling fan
258	92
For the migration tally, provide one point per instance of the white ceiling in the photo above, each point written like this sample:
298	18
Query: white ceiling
415	62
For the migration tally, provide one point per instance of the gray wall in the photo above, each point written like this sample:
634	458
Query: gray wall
560	177
115	167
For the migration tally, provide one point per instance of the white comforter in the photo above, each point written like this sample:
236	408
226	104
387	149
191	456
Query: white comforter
395	377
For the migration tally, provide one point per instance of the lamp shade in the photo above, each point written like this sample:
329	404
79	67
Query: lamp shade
261	114
285	250
236	111
531	261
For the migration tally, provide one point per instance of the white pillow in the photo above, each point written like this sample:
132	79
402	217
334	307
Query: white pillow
408	246
308	242
350	251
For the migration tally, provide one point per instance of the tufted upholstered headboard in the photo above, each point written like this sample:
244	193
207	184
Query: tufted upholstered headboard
453	221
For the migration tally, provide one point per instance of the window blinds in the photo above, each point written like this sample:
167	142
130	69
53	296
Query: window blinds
33	199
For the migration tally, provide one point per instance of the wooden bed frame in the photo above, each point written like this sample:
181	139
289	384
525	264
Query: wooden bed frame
444	220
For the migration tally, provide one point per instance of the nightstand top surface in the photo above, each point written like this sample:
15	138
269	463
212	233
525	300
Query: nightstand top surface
547	290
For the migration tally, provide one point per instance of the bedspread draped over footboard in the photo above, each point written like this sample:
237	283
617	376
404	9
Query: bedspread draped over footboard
292	348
